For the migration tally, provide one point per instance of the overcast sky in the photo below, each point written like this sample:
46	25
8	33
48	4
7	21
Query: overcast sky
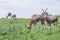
26	8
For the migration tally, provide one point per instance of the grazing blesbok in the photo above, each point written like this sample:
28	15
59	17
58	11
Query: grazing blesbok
14	16
36	18
50	19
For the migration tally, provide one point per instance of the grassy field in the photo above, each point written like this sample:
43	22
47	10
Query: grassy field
11	29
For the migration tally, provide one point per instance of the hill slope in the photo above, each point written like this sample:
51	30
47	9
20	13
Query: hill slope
11	29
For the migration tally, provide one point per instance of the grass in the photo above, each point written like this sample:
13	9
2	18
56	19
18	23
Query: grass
11	29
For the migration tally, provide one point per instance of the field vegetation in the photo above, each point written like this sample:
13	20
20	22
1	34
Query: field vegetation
15	29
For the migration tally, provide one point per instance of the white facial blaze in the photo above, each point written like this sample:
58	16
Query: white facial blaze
44	15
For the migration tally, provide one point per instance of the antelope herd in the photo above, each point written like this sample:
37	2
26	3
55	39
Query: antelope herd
38	18
10	15
43	17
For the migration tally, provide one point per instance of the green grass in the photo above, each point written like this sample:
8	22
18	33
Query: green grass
11	29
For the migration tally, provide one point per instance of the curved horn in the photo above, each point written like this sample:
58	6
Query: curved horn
46	9
42	9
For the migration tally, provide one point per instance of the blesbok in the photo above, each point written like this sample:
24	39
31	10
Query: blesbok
50	19
9	14
36	18
14	16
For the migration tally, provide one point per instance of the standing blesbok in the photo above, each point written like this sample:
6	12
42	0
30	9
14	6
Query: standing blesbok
9	14
36	18
50	19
